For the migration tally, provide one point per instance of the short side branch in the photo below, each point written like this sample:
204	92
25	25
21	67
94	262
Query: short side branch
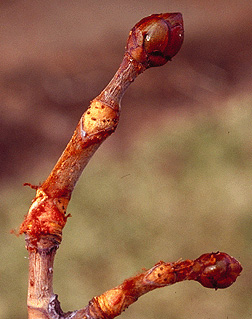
214	270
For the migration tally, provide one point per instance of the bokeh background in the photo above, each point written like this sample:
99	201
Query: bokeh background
174	181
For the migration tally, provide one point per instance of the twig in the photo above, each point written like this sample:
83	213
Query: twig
152	42
214	270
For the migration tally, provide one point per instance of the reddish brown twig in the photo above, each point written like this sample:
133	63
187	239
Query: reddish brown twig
152	42
214	270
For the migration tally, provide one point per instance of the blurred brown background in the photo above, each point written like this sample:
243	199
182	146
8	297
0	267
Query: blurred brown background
173	182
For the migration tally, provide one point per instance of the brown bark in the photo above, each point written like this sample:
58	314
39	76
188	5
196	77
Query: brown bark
40	285
152	42
214	270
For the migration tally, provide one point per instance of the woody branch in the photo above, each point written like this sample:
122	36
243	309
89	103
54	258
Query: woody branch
152	42
214	270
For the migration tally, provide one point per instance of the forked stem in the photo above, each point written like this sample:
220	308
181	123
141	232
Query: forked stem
152	42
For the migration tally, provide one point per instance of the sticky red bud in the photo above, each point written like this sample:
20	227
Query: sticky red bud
156	39
221	270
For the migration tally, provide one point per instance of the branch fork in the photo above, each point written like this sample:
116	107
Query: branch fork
152	42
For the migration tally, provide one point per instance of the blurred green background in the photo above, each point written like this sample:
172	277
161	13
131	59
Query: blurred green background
174	181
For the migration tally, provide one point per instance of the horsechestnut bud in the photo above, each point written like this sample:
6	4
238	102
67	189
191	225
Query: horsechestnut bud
220	270
156	39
